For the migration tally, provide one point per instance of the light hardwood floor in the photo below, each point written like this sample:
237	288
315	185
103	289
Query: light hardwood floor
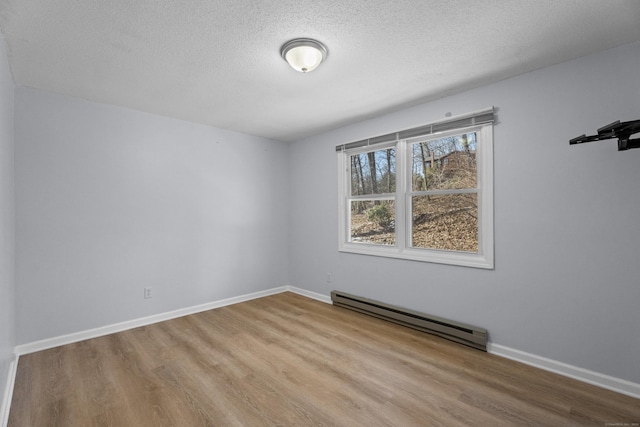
289	360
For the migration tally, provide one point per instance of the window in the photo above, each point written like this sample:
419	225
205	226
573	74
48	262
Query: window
422	194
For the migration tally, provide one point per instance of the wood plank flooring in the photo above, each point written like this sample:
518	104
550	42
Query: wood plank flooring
289	360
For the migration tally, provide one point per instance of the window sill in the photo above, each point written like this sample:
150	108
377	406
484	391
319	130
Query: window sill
423	255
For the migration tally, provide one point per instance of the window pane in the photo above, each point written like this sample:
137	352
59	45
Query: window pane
373	172
448	222
445	163
373	221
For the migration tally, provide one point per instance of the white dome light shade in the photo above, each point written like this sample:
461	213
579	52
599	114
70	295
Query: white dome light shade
303	55
304	58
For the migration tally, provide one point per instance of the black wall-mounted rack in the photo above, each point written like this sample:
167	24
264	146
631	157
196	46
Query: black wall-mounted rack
621	131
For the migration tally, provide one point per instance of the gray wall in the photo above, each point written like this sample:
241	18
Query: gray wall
566	285
7	269
110	200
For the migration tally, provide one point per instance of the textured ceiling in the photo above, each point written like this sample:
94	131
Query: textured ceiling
217	61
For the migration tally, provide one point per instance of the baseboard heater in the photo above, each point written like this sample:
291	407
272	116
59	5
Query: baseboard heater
454	331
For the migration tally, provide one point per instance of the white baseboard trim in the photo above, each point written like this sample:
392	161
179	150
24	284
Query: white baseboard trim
310	294
135	323
601	380
8	391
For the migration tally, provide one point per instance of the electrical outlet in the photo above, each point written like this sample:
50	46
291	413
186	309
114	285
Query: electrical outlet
147	293
329	278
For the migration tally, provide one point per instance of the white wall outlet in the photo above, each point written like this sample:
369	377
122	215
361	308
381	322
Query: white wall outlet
147	292
329	278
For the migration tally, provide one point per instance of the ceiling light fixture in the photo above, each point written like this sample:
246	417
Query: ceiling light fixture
304	55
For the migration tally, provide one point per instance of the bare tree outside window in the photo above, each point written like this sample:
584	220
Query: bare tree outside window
443	199
373	220
425	196
442	219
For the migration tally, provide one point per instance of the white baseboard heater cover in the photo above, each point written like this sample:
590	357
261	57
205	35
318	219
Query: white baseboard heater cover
455	331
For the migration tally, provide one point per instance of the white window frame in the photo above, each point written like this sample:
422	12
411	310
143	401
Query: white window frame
484	258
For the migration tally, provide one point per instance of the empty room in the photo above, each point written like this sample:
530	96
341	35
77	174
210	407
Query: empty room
334	213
